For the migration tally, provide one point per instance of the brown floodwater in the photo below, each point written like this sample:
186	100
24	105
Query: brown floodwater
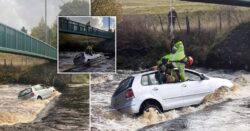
223	110
105	64
68	111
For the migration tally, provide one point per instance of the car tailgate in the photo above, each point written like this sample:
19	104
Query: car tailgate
119	97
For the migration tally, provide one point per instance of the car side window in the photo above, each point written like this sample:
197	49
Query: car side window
152	79
192	76
26	91
144	80
149	79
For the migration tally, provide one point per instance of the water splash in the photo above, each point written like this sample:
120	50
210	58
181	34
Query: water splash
13	110
104	118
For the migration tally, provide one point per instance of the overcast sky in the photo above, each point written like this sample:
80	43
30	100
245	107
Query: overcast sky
100	22
28	13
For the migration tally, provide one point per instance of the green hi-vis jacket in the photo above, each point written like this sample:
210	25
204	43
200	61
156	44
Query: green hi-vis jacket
178	53
89	48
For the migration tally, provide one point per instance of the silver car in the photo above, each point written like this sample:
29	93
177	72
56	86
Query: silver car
140	92
36	92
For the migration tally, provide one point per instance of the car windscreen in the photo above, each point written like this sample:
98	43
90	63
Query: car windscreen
38	87
192	76
125	84
25	92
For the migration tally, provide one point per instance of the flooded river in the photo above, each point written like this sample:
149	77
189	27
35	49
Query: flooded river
70	111
105	64
224	110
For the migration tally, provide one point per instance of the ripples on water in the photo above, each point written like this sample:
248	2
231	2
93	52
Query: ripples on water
13	110
218	112
105	65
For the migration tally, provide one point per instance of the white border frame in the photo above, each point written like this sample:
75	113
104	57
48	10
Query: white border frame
58	72
90	97
90	7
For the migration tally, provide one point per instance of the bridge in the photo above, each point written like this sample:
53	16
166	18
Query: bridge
72	27
17	42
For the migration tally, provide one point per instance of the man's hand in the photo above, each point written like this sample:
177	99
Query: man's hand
154	68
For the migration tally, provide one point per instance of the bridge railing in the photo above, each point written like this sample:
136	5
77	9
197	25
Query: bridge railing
17	42
69	26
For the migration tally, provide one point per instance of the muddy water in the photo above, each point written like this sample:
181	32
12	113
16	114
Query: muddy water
14	111
70	111
107	64
224	110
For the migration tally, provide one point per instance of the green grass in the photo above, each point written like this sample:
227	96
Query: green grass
162	6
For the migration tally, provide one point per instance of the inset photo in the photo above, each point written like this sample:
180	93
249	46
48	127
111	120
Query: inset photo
86	44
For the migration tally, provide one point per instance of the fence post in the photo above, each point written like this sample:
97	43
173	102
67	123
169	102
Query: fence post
229	18
5	38
220	20
4	62
199	23
154	27
187	25
161	24
26	61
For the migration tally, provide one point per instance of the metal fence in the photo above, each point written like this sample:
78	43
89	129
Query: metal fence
191	22
69	26
17	42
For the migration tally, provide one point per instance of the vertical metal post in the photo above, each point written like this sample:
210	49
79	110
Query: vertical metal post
109	23
46	31
25	42
171	20
5	34
16	40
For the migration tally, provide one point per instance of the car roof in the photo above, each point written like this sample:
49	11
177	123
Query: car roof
148	72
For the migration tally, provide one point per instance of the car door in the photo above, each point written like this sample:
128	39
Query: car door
41	91
194	89
169	94
46	91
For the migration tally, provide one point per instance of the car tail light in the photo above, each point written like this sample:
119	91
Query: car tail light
129	93
32	94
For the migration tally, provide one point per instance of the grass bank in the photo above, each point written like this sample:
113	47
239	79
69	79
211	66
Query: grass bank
39	74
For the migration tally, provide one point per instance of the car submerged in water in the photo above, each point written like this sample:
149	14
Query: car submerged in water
84	58
36	92
138	93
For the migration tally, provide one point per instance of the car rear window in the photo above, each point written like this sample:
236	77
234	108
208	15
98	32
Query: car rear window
125	84
25	92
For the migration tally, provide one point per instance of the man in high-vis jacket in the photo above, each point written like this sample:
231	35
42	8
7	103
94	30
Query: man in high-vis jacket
176	59
89	49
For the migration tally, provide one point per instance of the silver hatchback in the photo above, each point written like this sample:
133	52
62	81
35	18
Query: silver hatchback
140	92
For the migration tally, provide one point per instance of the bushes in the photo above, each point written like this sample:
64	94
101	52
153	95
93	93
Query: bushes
39	74
142	43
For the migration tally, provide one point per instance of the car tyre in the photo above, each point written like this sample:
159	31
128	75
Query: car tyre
147	106
39	98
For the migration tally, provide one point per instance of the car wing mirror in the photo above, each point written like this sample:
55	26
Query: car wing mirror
202	76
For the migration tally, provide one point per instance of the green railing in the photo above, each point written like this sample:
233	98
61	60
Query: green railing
17	42
72	27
